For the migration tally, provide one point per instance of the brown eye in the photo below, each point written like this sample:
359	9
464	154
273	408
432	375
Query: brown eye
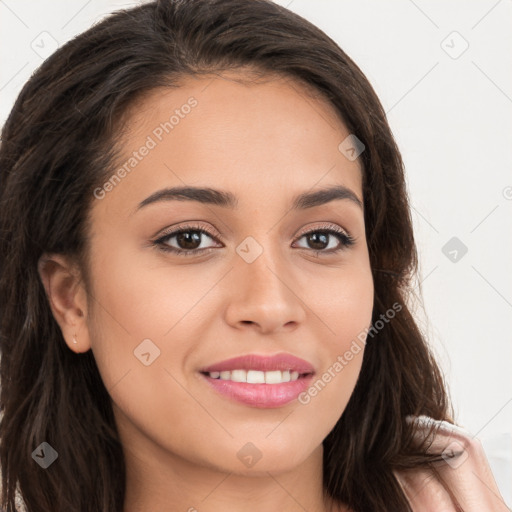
326	240
186	240
318	240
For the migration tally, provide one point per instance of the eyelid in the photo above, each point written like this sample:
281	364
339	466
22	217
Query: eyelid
160	242
325	227
196	227
173	231
346	240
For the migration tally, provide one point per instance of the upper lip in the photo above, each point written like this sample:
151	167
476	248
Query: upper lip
282	361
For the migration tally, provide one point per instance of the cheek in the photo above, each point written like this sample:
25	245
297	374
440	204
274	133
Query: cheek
129	311
146	321
149	300
134	302
344	306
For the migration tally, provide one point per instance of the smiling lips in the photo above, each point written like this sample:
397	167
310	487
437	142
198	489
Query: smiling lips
260	381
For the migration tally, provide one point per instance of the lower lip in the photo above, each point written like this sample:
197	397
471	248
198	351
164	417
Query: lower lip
264	396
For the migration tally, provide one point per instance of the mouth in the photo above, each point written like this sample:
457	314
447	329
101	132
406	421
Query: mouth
260	381
256	376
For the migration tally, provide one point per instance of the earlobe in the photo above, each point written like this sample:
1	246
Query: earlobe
67	299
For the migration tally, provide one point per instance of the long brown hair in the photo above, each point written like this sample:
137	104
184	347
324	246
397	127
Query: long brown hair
58	145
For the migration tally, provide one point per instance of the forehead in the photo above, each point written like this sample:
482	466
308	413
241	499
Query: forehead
273	137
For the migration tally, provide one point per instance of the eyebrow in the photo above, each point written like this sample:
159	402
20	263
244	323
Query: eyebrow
228	200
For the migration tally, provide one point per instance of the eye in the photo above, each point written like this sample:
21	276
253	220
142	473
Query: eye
192	239
327	239
185	240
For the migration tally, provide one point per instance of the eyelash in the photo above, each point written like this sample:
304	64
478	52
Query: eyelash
344	238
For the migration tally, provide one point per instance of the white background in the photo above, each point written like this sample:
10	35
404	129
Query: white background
451	114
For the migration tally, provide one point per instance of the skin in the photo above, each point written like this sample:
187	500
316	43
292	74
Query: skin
265	143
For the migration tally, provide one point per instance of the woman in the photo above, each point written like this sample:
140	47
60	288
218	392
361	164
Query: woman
206	257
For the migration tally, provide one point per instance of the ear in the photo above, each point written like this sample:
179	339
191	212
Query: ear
67	298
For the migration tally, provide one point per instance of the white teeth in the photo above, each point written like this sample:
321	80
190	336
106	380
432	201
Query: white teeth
273	377
239	376
256	377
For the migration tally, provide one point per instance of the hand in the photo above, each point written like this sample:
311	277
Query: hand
462	482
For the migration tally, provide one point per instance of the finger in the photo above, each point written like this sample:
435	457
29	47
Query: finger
425	492
470	478
464	470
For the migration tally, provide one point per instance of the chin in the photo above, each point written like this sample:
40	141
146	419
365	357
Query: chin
260	458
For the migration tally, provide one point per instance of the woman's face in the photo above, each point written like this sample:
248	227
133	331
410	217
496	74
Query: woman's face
256	284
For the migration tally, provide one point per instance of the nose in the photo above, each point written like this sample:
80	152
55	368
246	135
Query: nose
264	297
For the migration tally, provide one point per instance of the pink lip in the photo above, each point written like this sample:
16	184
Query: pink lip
261	395
281	362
